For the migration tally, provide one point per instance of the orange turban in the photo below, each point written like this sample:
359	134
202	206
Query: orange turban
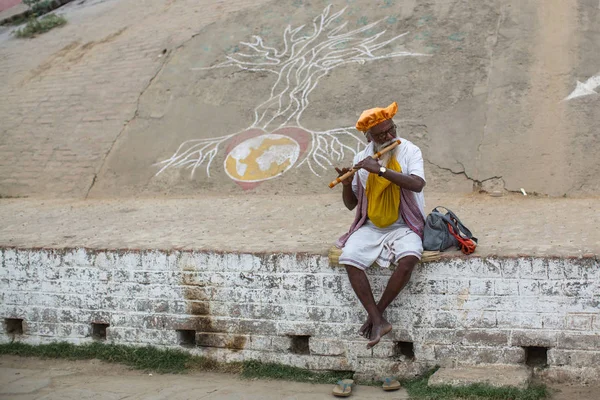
374	116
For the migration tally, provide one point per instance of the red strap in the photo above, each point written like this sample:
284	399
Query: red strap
467	246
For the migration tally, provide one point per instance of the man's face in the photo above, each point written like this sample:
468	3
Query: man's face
383	133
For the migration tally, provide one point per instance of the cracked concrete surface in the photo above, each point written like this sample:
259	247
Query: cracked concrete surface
89	109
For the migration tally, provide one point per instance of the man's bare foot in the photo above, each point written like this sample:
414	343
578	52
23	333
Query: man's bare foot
365	330
378	331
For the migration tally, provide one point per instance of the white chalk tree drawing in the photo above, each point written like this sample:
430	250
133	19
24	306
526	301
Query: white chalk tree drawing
585	88
306	55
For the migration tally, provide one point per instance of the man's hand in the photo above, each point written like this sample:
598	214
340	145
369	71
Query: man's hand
370	164
347	181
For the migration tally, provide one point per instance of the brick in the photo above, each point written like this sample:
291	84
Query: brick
74	330
480	319
446	320
596	323
510	267
228	341
579	341
77	258
280	343
533	268
492	268
127	261
551	288
46	329
441	336
535	338
577	288
456	286
285	328
519	320
480	354
557	268
486	337
250	327
573	358
506	287
326	347
553	321
484	287
580	322
122	335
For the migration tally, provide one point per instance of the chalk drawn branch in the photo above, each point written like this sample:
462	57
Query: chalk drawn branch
327	147
304	56
586	88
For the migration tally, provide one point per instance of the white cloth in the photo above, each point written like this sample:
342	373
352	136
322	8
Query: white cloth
388	245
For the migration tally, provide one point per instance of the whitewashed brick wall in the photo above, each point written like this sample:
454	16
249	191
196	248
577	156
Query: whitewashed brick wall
249	306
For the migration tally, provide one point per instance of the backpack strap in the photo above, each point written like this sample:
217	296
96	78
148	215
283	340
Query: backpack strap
458	226
466	245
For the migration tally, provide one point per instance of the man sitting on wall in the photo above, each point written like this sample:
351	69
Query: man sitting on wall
388	228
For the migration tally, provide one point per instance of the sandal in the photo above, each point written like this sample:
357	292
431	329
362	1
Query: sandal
390	384
343	388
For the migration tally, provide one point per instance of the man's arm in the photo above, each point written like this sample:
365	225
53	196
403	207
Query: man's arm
350	200
411	182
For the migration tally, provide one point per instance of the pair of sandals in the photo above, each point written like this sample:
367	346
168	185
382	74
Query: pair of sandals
344	386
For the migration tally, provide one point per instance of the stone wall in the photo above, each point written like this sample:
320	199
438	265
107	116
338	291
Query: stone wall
298	310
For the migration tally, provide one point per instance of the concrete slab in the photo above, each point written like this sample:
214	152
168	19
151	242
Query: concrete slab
493	375
505	226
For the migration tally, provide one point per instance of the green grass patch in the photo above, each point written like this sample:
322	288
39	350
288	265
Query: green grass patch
255	369
39	7
145	358
168	361
36	26
417	389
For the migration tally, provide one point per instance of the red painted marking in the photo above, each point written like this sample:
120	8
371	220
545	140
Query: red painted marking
242	137
6	4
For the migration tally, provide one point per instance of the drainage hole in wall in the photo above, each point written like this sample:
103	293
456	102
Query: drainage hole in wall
99	331
404	349
186	337
536	356
14	326
300	344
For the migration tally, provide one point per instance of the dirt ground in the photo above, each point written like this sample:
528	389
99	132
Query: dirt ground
32	378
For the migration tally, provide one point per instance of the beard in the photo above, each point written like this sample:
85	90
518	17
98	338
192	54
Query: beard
378	147
384	159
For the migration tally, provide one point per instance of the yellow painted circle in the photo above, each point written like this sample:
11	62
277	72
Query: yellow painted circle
261	158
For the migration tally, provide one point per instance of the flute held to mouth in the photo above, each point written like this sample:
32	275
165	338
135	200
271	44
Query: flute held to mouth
353	171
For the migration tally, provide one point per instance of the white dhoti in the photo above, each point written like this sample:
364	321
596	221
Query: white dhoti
365	243
386	246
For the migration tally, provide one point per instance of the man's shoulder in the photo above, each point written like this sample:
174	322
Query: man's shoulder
410	146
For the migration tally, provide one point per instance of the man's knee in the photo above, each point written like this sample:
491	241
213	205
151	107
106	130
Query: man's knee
407	264
352	270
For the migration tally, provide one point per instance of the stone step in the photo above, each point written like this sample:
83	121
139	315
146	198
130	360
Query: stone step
493	375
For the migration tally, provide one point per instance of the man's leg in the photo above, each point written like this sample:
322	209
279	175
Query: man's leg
395	284
362	288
